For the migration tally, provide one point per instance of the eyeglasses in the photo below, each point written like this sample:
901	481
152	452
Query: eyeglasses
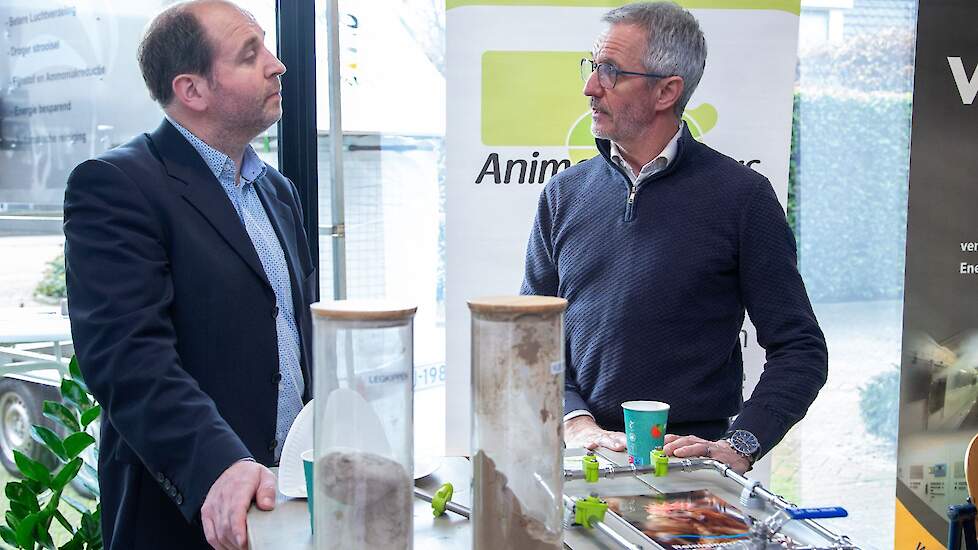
608	74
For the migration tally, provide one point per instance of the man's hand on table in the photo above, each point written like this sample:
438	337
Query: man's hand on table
689	445
584	432
225	509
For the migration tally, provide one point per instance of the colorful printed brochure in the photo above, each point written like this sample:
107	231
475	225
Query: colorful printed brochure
688	520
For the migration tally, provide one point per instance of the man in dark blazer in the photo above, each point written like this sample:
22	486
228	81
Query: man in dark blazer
189	279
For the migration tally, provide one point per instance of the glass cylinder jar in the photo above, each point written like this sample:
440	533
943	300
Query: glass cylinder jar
364	442
517	414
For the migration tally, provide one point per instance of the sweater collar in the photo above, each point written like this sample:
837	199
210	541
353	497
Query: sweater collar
685	139
660	162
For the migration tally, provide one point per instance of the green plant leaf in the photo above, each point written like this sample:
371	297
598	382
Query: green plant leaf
74	369
51	507
8	535
96	542
73	393
32	469
76	443
21	493
49	439
13	520
62	415
90	415
90	528
35	486
44	536
77	542
67	473
62	519
25	531
19	510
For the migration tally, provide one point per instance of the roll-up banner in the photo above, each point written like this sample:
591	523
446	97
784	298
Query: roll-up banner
517	116
939	371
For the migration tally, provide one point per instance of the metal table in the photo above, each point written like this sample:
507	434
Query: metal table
287	526
33	340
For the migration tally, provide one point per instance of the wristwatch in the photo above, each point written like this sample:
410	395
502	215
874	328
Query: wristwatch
745	444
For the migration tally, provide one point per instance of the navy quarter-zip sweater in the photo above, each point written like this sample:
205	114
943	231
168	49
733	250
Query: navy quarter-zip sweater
657	286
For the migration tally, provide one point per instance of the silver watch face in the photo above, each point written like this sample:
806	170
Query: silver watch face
744	442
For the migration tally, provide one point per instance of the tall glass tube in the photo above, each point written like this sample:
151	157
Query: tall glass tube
517	413
363	473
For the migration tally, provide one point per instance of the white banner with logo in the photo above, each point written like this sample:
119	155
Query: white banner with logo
517	115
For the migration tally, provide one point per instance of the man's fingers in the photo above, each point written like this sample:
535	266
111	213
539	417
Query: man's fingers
230	526
209	532
683	452
239	526
216	518
265	496
694	449
224	523
670	438
683	441
614	441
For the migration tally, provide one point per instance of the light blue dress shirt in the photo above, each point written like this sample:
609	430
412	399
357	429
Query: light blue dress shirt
253	217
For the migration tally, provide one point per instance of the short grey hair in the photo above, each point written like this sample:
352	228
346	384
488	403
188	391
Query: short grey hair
676	45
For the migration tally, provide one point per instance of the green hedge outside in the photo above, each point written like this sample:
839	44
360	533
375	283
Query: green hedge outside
848	184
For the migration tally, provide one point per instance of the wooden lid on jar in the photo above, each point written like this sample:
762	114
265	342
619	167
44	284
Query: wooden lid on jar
527	305
363	310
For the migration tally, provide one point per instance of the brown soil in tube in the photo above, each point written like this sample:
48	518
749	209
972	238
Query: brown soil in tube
498	518
377	492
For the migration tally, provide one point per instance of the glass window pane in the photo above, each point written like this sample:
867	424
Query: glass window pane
392	89
847	205
70	90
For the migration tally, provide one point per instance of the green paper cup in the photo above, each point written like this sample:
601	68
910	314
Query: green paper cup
645	429
307	462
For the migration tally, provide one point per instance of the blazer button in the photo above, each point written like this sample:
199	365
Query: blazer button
167	485
179	499
272	445
276	378
159	477
172	491
275	312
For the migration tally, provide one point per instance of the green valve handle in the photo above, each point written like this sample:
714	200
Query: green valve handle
589	509
661	462
441	497
590	468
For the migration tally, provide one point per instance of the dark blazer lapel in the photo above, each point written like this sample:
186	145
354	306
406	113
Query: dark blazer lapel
204	192
283	222
280	215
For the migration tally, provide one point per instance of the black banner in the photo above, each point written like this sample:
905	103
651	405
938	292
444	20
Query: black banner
939	380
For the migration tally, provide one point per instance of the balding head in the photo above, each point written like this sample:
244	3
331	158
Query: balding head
176	42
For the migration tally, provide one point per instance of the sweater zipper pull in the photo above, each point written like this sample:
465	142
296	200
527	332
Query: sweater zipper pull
631	193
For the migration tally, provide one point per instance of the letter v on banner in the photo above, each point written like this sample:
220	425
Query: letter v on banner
967	87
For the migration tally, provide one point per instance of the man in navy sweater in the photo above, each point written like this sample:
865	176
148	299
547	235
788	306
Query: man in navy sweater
660	244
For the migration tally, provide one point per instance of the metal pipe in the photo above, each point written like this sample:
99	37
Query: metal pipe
570	504
609	472
694	464
450	506
337	194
